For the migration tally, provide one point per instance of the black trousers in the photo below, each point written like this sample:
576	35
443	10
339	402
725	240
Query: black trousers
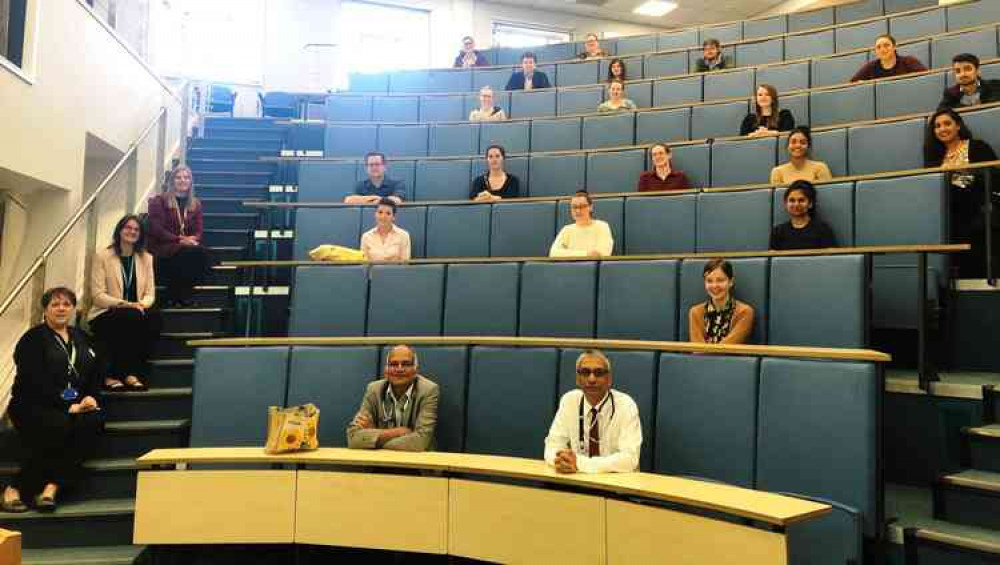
125	338
54	445
182	271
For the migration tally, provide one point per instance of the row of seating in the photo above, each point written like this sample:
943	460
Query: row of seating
730	32
853	149
738	419
934	37
810	301
881	99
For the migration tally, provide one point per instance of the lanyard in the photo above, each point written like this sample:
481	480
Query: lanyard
389	414
599	407
70	352
128	275
181	219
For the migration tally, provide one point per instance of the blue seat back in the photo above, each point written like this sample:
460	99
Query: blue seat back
447	367
858	11
860	36
513	136
443	180
465	310
396	108
751	287
413	219
636	44
829	146
240	383
798	21
830	292
575	73
616	130
737	83
408	81
813	44
885	147
640	92
901	211
836	460
786	77
837	70
908	95
717	120
558	299
614	171
405	299
665	64
326	182
725	33
716	440
458	230
853	103
583	100
557	134
835	202
533	103
316	226
832	539
518	425
919	49
449	80
637	300
972	14
743	161
668	40
349	141
922	24
453	140
675	91
985	124
663	126
556	175
522	229
660	224
982	42
696	162
341	108
403	141
760	52
449	108
764	27
329	301
369	82
334	379
734	221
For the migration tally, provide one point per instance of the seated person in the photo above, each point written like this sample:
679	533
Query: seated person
616	101
596	429
663	176
887	62
592	48
376	187
949	143
767	118
712	58
398	411
469	57
721	318
176	225
587	236
496	183
799	165
803	230
528	78
617	70
969	89
386	241
487	111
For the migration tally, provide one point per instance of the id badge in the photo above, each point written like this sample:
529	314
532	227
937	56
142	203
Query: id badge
69	394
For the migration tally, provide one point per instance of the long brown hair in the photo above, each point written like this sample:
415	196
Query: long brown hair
770	122
193	202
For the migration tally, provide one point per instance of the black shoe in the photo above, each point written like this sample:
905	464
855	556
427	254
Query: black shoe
45	504
15	506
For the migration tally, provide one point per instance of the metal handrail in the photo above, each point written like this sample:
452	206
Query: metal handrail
71	223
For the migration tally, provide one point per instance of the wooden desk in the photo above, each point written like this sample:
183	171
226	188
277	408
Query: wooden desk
334	496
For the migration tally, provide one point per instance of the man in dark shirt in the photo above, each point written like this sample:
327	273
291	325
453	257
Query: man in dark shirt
887	62
970	89
662	176
528	78
712	58
376	186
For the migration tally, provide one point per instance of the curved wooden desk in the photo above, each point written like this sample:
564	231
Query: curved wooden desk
501	509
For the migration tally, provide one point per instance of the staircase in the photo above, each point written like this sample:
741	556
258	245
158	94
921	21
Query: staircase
94	524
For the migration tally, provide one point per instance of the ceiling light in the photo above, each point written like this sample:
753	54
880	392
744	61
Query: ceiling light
655	8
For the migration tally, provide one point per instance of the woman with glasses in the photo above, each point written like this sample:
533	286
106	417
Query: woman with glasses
586	236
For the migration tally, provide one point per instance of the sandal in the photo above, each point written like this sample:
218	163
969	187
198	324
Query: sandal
45	503
14	506
114	385
133	383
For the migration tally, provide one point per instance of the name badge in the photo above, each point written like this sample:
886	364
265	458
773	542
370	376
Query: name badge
70	394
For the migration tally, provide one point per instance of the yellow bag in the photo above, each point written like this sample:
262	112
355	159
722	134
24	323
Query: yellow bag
327	252
292	429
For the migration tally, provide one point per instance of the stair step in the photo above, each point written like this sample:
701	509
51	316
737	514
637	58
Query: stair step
222	253
82	523
943	545
202	165
221	275
231	220
184	320
136	437
246	133
173	345
250	123
229	178
968	497
235	153
97	555
104	478
225	237
212	296
983	447
155	404
208	143
228	204
168	373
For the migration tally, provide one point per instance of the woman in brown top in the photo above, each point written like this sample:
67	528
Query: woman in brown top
721	318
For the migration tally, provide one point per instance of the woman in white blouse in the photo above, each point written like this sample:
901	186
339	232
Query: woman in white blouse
487	111
586	236
386	241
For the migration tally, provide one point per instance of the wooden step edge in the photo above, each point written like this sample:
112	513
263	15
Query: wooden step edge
172	362
957	540
165	392
190	335
143	426
105	465
193	310
90	555
960	480
230	215
990	432
78	509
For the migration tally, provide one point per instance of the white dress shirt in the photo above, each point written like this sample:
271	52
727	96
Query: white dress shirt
578	241
395	247
618	427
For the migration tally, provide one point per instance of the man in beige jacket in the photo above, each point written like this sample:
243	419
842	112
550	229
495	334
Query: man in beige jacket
398	411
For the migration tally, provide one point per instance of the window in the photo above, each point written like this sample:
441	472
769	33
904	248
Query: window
12	19
376	37
518	35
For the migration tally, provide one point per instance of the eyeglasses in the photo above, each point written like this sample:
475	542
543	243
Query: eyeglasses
400	364
586	372
580	206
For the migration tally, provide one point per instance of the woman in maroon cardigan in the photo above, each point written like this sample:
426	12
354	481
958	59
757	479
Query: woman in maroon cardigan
175	230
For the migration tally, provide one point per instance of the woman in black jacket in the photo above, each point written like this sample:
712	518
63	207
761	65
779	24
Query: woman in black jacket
54	404
767	118
949	143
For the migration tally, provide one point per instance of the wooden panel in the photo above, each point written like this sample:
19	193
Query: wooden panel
366	510
513	524
179	507
646	534
10	541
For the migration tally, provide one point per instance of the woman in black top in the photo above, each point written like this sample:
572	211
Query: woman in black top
54	404
767	118
803	230
616	70
496	183
949	143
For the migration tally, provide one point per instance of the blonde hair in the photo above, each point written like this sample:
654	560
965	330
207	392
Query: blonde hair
171	193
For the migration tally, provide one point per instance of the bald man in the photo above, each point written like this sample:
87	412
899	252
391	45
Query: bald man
398	411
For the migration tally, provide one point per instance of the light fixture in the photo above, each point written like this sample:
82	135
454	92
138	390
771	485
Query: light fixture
655	8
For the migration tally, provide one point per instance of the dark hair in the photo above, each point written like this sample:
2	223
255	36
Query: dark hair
386	201
611	74
374	154
589	35
802	130
718	263
498	147
710	41
616	81
966	58
528	55
770	122
584	194
807	189
116	238
934	150
887	36
55	291
469	37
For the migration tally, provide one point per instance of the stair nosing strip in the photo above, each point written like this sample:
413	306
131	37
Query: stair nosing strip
976	484
960	541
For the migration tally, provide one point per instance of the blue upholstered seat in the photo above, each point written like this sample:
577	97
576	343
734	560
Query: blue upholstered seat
343	108
734	221
813	44
743	161
760	52
616	130
405	299
329	301
583	100
557	134
737	83
751	276
450	108
395	109
522	229
349	141
458	230
443	180
316	226
468	312
557	175
403	141
660	224
614	171
663	126
326	182
853	103
453	140
558	299
637	300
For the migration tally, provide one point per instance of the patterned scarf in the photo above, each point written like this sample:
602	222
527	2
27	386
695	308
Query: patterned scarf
718	322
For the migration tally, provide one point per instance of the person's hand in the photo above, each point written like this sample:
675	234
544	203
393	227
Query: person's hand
566	461
188	240
374	199
88	403
76	408
393	433
593	253
363	421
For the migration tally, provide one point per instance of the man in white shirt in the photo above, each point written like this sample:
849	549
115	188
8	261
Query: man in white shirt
596	429
586	236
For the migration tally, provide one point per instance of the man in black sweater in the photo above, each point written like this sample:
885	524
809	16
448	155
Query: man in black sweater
970	89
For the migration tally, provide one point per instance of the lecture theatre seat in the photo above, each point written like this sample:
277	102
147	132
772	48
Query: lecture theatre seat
726	84
557	299
556	134
660	224
785	77
886	147
395	108
326	182
855	103
445	108
615	171
458	231
835	203
808	45
453	140
557	175
638	300
734	221
717	120
481	299
318	226
329	302
746	161
663	126
760	52
583	100
615	130
908	95
405	299
443	180
522	229
403	140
